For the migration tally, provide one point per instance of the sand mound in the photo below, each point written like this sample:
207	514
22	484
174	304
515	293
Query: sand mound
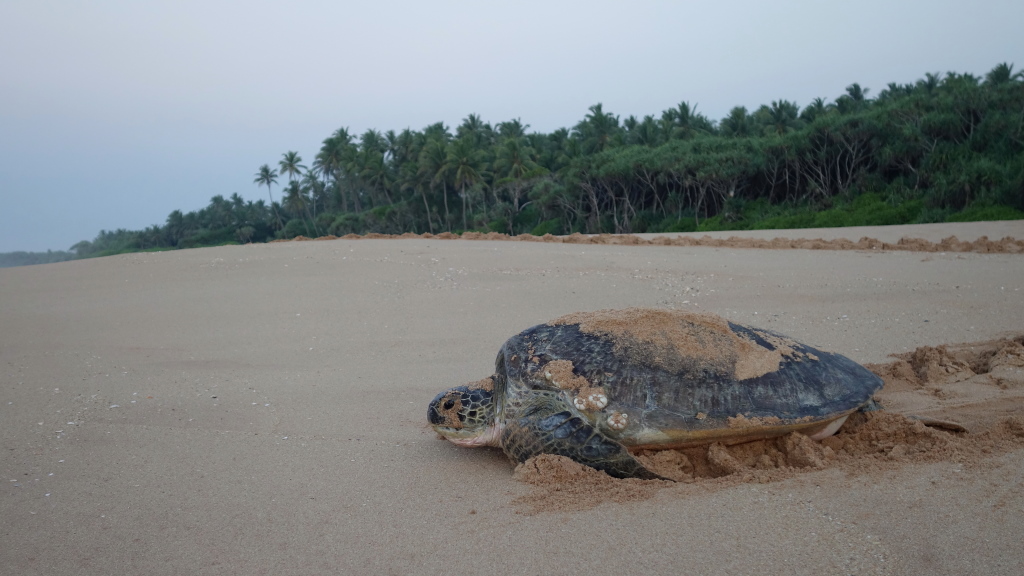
561	483
950	244
1000	362
866	442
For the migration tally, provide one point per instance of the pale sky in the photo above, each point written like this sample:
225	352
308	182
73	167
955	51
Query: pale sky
114	113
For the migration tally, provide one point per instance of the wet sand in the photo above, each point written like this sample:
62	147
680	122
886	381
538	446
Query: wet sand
261	409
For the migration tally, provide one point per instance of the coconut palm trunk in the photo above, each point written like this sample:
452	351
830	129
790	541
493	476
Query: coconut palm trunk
447	216
266	177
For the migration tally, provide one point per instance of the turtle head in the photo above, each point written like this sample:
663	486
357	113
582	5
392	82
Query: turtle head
465	415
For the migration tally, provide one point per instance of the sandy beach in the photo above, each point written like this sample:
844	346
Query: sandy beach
260	409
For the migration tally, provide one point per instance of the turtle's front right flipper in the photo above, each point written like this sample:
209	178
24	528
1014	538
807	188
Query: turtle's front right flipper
545	426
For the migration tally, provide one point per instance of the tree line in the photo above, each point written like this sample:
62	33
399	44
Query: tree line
946	147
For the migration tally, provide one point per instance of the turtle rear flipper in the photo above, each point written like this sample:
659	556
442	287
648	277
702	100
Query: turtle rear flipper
546	426
948	425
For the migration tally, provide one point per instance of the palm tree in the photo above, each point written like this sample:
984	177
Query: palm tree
895	90
512	129
316	189
597	130
642	132
266	177
684	122
291	201
814	110
412	179
374	172
402	147
571	149
373	141
737	123
332	158
930	82
856	92
475	129
437	131
514	163
783	116
297	202
1002	74
514	160
966	79
434	166
856	98
291	165
175	227
550	148
465	166
368	167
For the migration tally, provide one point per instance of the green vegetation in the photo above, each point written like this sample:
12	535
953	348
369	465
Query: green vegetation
9	259
945	148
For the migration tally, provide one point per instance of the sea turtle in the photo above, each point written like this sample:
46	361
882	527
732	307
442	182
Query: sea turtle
594	386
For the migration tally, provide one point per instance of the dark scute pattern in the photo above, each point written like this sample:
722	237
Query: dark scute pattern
566	429
806	387
475	403
661	399
549	423
582	434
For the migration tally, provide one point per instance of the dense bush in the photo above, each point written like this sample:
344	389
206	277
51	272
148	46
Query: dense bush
941	149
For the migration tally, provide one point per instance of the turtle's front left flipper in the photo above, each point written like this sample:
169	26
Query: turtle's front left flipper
547	426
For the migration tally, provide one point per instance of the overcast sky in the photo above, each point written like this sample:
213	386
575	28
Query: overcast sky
115	113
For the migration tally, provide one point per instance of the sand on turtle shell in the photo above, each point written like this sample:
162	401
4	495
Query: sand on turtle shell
560	373
676	340
741	421
482	384
867	441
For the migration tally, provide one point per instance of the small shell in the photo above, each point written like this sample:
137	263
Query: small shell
618	421
592	401
598	400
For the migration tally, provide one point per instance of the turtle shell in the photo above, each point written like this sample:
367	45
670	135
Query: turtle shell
658	378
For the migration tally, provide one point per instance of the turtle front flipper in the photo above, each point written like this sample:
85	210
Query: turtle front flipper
545	425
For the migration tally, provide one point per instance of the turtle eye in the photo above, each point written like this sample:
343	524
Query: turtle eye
449	404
